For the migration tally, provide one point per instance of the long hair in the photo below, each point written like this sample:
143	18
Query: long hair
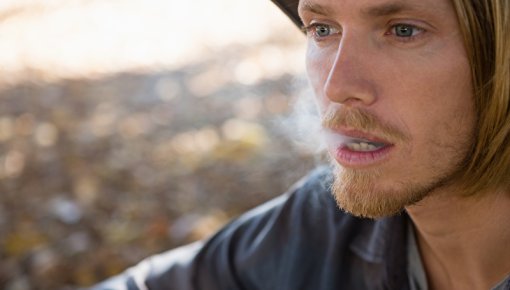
485	25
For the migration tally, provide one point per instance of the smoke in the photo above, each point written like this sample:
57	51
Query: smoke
303	124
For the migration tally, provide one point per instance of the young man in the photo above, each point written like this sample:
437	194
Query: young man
415	101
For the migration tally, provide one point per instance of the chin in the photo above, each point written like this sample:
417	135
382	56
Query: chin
360	193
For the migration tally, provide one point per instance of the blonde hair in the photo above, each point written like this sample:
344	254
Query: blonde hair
485	25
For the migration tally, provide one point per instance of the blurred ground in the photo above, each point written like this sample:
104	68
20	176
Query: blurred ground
111	151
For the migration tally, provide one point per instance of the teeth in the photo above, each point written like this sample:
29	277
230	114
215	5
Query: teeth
361	146
354	146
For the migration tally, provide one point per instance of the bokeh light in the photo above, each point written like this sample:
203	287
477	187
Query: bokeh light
128	127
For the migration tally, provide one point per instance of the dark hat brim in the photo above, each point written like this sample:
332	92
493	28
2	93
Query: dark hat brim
290	8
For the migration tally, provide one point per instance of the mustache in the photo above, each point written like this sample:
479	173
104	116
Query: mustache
362	120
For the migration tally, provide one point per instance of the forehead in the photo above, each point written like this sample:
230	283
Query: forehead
375	8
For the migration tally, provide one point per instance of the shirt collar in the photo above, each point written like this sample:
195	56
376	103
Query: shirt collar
376	237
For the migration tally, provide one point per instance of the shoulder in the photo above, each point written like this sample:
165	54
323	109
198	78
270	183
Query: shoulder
308	200
299	235
307	207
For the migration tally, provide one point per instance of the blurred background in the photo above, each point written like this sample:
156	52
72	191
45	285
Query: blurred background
128	127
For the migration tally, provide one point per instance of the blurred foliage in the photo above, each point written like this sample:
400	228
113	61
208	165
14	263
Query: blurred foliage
96	174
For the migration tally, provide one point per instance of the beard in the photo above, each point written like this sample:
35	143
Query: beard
360	191
356	193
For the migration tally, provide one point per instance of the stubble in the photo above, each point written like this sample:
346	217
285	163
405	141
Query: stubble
359	191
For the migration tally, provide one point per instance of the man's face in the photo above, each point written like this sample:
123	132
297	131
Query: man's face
393	84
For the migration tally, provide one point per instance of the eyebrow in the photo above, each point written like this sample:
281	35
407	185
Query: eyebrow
314	8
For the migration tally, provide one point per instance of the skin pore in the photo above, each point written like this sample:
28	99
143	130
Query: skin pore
392	82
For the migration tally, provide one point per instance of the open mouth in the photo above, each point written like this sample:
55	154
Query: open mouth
363	145
357	149
354	143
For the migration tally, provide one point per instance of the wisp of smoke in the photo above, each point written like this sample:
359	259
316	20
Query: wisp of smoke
303	124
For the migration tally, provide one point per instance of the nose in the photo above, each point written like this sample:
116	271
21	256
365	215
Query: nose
350	80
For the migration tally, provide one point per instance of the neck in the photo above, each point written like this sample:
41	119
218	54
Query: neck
463	241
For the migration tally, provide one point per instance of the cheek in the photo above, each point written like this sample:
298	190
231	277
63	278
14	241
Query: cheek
444	118
318	66
436	92
312	69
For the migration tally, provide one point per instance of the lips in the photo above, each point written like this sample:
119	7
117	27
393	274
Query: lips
355	148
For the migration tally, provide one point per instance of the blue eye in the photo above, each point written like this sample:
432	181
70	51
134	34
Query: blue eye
322	30
405	30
